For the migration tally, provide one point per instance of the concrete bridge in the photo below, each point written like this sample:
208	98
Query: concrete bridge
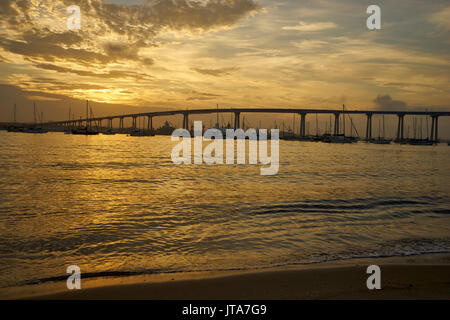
434	115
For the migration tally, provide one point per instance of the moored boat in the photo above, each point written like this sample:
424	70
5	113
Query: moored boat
34	130
88	131
421	142
141	133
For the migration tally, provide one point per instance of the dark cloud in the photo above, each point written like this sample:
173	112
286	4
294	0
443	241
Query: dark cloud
145	21
386	102
137	26
125	51
47	37
50	84
109	74
215	72
202	96
14	13
37	48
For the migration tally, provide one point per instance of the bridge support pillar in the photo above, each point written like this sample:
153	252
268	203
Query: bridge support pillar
134	122
121	124
186	121
400	127
110	123
336	124
150	123
302	125
369	127
237	120
434	129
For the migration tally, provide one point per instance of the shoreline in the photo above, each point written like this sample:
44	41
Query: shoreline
424	276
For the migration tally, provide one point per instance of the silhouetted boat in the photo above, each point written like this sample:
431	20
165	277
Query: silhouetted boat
421	142
340	138
108	133
34	130
15	129
381	141
69	130
165	130
87	130
141	133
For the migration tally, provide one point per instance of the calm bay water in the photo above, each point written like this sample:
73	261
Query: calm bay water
116	205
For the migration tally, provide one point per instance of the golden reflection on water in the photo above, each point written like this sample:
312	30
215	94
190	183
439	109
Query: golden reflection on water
118	203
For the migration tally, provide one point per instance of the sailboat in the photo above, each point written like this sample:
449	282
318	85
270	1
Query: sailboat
420	141
14	128
339	138
141	133
381	139
69	131
222	129
35	129
87	130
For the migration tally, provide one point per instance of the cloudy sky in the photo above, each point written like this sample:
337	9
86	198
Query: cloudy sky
194	54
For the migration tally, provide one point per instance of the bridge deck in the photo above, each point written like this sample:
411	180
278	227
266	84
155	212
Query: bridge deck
254	110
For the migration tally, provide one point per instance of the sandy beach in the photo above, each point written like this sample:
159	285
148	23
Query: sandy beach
417	277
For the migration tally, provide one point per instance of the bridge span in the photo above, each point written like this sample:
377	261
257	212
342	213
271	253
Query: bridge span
434	115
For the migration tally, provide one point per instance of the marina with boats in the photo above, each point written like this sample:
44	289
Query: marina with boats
326	132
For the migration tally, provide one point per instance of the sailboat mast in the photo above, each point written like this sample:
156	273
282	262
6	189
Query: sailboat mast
421	131
87	114
379	129
317	126
330	125
343	118
293	123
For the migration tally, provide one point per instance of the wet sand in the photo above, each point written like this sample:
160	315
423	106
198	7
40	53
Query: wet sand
418	277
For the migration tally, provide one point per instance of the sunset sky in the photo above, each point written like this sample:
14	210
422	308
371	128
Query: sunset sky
172	54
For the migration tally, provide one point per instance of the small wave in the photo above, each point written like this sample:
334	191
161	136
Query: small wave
335	206
397	248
